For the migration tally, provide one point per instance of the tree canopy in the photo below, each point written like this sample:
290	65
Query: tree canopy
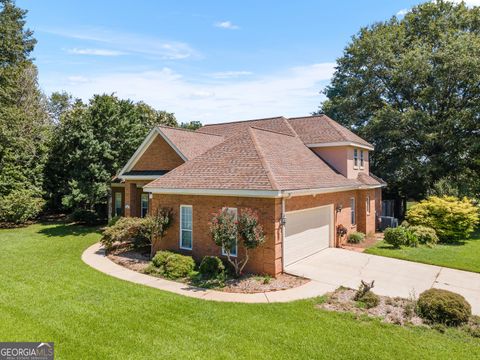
411	87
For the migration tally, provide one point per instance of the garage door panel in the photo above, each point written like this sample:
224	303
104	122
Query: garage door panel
307	232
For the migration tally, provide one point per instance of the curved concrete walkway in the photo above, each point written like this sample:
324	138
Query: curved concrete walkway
95	257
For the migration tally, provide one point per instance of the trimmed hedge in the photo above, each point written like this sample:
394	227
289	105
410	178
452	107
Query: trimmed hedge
425	235
211	267
171	265
443	307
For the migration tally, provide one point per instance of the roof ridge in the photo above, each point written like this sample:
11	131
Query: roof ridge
263	161
242	121
291	127
335	128
272	131
186	130
307	116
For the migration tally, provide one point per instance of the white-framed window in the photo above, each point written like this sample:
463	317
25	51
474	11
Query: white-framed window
352	211
355	157
233	252
144	205
361	159
118	204
368	204
186	227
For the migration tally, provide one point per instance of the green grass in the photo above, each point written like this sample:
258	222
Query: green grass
48	294
464	255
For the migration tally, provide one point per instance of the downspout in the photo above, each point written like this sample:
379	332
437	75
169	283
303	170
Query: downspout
283	220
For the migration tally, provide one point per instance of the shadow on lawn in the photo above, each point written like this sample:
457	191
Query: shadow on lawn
63	229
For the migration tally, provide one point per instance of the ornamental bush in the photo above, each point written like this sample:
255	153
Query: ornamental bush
211	267
370	299
85	217
453	219
443	307
356	237
20	206
399	236
425	235
130	230
171	265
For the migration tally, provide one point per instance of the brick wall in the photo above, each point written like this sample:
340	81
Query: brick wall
133	193
265	259
121	190
158	156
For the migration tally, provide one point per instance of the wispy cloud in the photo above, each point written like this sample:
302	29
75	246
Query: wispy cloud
95	52
290	92
129	43
226	25
229	74
77	79
403	12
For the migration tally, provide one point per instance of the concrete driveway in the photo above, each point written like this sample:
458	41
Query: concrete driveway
392	277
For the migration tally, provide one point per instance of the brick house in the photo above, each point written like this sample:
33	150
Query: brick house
303	176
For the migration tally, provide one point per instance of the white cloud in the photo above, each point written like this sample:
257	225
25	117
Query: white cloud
403	12
226	25
95	52
77	79
291	92
130	43
229	74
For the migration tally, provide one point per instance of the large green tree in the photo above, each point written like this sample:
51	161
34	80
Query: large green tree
91	143
24	124
411	86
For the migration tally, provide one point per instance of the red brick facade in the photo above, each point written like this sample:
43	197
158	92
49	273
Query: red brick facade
158	156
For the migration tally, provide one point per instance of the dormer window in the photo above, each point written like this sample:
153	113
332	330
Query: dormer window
361	159
355	158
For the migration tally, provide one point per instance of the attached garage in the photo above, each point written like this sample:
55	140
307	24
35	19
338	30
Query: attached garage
307	232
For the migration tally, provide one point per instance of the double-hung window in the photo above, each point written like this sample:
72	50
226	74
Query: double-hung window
186	227
361	159
352	211
144	205
233	252
355	158
118	204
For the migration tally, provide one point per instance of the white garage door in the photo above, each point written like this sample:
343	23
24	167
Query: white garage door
307	232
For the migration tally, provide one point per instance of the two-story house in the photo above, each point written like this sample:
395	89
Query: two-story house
303	176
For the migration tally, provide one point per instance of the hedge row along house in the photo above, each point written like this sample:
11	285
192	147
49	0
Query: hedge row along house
303	176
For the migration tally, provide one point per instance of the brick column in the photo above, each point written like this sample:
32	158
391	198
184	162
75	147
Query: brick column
130	199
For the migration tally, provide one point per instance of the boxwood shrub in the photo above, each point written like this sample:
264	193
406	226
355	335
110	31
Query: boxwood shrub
443	307
425	235
356	237
171	265
211	267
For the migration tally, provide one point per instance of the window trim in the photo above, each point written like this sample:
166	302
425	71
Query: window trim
355	158
368	205
224	253
362	160
141	205
353	212
181	229
118	194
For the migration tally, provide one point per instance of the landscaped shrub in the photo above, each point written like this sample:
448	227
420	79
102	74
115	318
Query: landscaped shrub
20	206
399	236
131	230
356	237
82	216
452	218
171	265
370	300
425	235
443	307
211	267
412	239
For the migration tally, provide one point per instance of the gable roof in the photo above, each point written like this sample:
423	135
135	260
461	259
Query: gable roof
314	131
186	143
255	159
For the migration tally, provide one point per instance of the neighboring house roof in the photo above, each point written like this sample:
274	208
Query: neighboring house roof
314	131
255	159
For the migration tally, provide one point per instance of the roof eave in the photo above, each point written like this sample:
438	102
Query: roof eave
340	143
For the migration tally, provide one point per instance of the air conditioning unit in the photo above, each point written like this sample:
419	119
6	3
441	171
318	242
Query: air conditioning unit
388	221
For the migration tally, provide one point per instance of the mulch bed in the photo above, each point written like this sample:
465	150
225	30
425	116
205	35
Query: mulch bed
368	242
247	284
392	310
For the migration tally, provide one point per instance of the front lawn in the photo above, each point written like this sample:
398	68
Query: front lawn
464	255
48	294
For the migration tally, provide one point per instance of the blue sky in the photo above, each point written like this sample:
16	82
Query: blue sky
211	61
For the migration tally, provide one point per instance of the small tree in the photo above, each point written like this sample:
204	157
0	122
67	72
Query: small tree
228	233
159	223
